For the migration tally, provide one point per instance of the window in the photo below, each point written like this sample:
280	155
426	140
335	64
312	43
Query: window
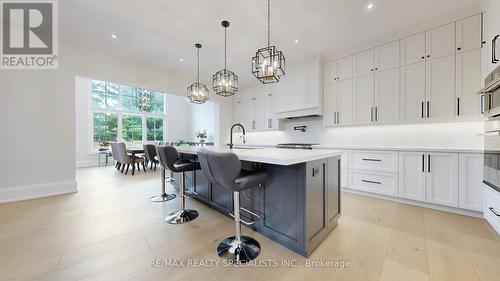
105	129
117	115
154	128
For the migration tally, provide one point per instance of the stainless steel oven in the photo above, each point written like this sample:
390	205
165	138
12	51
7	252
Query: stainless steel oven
490	96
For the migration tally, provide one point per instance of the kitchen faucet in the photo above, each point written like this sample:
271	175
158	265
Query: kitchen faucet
231	134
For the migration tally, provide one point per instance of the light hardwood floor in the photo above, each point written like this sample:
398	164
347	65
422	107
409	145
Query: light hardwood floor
111	231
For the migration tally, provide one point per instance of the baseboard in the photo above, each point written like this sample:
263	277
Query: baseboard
419	204
86	164
32	191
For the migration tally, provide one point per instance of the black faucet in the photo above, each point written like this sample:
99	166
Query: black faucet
231	134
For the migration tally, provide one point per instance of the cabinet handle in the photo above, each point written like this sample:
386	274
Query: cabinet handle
269	123
494	50
458	106
481	104
376	114
428	56
253	124
428	109
371	114
428	163
482	30
374	182
315	171
376	68
459	48
372	160
423	110
423	57
423	163
335	117
493	211
338	117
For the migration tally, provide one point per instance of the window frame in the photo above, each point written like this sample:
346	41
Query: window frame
120	112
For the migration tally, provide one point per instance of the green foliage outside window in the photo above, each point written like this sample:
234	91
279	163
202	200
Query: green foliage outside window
154	129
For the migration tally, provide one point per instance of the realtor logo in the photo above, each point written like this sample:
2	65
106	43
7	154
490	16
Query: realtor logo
29	34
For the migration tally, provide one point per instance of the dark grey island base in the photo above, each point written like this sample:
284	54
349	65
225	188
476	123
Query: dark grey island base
300	206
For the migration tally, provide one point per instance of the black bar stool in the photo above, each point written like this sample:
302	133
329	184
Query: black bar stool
169	159
224	168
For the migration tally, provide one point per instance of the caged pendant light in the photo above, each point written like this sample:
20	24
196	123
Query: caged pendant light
144	100
197	92
268	65
225	82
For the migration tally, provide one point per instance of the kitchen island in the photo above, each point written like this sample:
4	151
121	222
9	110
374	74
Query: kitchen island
299	207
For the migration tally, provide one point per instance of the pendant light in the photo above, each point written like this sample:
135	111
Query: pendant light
268	65
144	100
197	92
225	82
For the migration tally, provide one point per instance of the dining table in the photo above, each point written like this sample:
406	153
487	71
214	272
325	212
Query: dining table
135	150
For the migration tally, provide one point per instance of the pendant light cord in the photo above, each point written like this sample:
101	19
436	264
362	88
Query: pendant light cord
268	23
198	66
225	48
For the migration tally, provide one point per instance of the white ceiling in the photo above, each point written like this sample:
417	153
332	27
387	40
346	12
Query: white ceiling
162	32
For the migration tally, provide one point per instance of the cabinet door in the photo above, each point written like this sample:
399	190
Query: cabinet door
468	34
470	186
271	123
412	175
440	88
248	115
468	83
344	68
387	96
292	89
330	97
313	86
387	56
345	102
259	121
440	41
363	99
330	72
413	49
412	92
363	63
442	179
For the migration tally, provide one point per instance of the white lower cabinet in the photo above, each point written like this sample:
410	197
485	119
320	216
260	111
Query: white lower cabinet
374	182
492	207
441	185
470	183
440	178
412	175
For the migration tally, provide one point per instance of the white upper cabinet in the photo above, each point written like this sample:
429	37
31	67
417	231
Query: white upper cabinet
440	88
387	56
468	83
364	63
493	29
468	35
440	41
299	92
412	102
330	100
345	102
330	73
344	68
442	179
364	99
413	49
387	96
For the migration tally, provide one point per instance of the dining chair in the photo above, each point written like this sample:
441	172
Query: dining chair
150	155
128	160
115	156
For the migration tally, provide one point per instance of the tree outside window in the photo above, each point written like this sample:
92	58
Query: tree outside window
105	129
132	129
154	129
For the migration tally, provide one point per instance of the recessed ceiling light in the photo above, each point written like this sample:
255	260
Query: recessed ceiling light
181	60
296	41
370	5
114	36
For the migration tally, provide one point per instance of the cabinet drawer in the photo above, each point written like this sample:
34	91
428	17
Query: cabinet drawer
382	161
381	183
492	208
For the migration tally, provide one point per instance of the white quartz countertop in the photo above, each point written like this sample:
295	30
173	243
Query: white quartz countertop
386	148
269	155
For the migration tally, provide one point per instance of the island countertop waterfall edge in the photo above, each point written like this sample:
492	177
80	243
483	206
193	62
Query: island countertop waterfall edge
299	207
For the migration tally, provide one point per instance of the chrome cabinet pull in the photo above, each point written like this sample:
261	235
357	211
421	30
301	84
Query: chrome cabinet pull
371	114
338	117
494	50
458	106
423	163
428	109
423	110
269	123
429	163
493	211
376	114
374	182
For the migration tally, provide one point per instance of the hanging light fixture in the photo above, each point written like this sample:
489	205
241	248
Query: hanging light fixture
225	82
268	65
144	100
197	92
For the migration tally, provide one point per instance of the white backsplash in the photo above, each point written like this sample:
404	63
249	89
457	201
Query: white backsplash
460	135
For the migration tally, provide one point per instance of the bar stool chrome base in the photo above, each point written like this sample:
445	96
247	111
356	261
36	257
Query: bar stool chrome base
241	251
182	216
163	198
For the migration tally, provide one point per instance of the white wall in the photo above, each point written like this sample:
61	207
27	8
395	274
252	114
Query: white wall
203	118
37	117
